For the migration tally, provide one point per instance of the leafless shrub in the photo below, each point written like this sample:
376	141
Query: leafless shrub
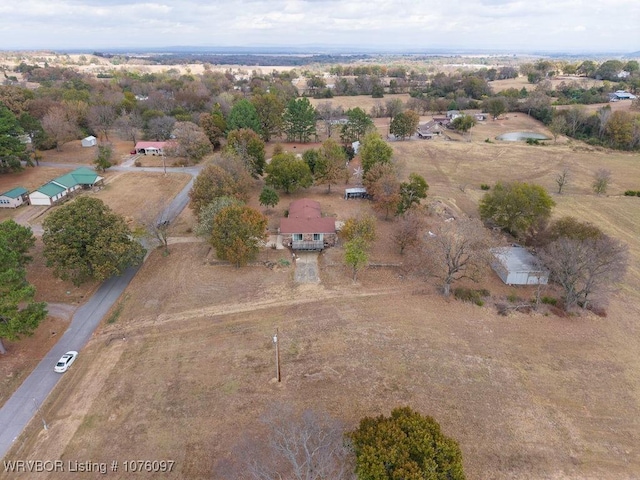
304	446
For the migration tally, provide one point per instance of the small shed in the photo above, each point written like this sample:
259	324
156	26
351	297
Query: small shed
14	198
357	192
515	265
356	147
89	141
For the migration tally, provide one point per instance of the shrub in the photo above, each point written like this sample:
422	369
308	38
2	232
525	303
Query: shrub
484	186
513	298
549	301
470	295
630	193
533	141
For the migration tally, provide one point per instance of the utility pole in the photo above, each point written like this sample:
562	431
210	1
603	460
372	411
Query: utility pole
275	341
44	424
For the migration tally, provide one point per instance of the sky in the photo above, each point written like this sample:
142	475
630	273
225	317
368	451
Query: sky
514	26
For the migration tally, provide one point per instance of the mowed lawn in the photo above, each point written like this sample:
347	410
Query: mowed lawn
186	368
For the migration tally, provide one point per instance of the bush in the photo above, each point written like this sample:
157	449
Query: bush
471	295
513	298
533	141
405	445
549	301
484	186
632	193
488	140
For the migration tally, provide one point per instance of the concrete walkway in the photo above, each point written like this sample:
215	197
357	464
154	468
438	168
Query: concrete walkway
306	267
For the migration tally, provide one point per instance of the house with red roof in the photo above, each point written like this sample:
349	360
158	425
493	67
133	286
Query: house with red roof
305	228
151	148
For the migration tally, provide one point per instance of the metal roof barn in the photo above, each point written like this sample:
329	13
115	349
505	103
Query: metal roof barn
517	266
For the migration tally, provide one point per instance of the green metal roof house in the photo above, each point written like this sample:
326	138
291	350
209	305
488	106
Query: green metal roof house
14	198
62	186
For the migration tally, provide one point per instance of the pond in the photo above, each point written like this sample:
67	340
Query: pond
518	136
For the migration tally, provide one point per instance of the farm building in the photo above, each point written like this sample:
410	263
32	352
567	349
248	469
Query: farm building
89	141
517	266
61	187
357	192
621	95
14	198
305	228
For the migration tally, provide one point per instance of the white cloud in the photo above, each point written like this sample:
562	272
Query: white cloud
473	24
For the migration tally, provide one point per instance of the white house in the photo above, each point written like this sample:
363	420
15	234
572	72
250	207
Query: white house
517	266
47	194
14	198
60	187
89	141
150	148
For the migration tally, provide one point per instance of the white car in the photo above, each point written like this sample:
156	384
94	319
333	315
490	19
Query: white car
65	362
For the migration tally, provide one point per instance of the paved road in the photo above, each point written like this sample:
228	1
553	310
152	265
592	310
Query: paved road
18	410
16	413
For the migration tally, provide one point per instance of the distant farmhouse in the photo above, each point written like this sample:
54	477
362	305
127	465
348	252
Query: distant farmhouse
621	95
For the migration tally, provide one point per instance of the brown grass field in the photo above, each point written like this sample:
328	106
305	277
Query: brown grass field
528	396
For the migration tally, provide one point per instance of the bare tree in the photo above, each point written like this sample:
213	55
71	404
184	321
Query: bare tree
190	142
585	267
405	234
101	118
328	114
575	116
558	126
129	125
160	128
562	179
57	125
302	446
155	229
452	251
601	181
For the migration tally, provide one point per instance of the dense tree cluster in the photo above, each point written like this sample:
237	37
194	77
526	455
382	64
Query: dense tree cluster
20	314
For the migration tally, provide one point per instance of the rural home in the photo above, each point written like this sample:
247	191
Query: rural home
517	266
305	228
63	186
429	130
150	148
89	141
14	198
